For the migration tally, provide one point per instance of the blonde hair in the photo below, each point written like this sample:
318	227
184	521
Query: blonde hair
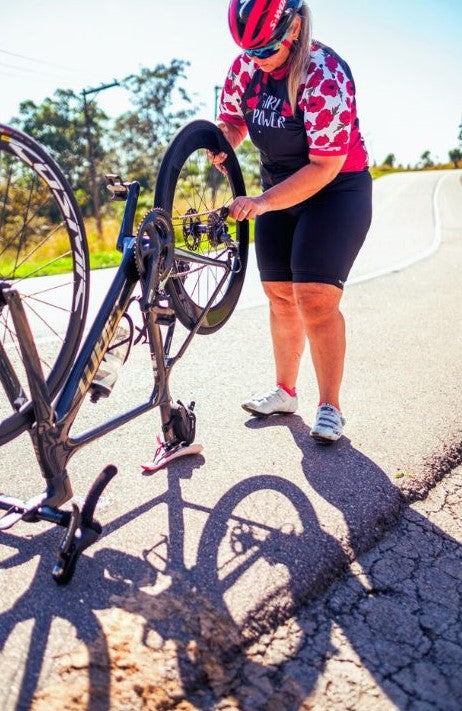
300	56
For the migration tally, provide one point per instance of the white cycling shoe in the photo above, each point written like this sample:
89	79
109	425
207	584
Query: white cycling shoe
276	402
329	424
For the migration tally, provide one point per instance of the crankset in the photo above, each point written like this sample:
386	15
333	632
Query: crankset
154	252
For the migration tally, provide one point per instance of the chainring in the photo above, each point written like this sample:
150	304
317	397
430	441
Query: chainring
155	238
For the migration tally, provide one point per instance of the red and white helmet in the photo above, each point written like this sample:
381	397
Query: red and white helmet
258	23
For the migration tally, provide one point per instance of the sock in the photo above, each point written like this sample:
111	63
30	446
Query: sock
291	391
323	402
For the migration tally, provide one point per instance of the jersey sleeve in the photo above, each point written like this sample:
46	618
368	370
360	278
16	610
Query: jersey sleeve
237	80
327	101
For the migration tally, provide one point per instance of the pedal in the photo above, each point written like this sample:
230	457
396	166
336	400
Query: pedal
116	186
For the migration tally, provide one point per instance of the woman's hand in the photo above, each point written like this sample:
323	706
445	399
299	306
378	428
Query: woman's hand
217	159
246	208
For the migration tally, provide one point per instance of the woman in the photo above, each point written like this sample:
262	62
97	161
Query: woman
296	99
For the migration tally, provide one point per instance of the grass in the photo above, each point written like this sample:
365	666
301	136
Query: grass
103	260
43	267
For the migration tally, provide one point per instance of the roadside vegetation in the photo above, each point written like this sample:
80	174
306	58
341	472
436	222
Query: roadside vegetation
87	145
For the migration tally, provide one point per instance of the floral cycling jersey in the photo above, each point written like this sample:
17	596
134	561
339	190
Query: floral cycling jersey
325	121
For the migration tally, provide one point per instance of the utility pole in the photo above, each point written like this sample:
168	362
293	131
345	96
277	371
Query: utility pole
217	94
91	153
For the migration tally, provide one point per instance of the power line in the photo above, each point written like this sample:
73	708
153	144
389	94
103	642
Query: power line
22	69
28	71
38	61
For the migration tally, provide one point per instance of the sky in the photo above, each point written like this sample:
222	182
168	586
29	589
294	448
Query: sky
406	58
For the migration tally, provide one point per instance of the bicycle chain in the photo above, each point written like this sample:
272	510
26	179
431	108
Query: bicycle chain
196	214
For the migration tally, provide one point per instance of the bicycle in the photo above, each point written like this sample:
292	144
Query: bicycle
189	259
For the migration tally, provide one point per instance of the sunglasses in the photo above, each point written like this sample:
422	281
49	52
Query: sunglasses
269	50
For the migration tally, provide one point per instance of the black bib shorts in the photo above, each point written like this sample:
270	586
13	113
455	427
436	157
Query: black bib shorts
319	239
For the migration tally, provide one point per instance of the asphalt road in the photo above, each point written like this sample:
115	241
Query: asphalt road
264	520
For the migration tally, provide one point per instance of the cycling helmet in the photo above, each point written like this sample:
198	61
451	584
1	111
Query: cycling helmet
257	23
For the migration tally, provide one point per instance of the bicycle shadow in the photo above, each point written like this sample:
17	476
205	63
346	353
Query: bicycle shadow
74	604
191	613
192	623
348	480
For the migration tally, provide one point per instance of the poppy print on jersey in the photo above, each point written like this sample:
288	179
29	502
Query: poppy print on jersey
325	100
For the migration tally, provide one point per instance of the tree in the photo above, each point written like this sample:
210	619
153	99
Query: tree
455	156
161	106
426	160
58	123
389	160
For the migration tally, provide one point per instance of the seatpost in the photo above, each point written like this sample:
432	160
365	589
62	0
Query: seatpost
126	228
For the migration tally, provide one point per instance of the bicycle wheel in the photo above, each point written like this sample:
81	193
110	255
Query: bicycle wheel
44	256
210	263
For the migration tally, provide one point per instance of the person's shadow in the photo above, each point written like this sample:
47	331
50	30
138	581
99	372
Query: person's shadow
400	616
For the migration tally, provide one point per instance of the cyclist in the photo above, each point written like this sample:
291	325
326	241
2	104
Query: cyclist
296	99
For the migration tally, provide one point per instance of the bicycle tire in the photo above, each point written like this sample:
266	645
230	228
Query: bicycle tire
188	187
41	228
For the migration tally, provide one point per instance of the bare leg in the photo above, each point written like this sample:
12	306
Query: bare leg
287	331
324	324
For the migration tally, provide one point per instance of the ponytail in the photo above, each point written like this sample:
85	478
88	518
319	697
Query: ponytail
300	56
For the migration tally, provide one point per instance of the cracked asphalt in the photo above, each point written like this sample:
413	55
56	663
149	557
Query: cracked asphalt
389	634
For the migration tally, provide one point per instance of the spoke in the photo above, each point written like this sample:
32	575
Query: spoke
44	291
14	237
28	255
22	231
40	317
200	191
193	192
2	221
49	304
13	339
7	329
43	266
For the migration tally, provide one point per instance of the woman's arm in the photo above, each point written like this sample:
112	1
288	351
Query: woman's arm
298	187
234	135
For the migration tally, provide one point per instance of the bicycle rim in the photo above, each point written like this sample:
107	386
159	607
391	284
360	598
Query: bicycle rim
44	257
191	189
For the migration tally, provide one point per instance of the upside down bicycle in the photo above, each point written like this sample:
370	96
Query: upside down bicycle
187	256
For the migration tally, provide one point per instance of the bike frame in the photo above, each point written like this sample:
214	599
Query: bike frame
50	424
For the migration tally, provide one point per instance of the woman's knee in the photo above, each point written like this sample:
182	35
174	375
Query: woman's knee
317	303
281	296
